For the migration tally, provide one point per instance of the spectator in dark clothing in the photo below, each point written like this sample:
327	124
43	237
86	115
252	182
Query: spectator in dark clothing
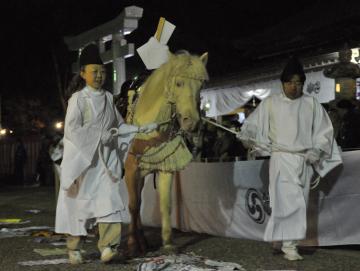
19	162
223	148
44	166
349	130
208	140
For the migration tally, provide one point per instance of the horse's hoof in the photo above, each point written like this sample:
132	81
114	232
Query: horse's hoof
132	251
142	243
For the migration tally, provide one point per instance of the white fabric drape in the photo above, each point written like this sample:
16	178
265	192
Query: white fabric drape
225	100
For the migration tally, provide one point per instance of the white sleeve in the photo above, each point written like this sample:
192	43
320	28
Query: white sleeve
256	125
84	137
323	131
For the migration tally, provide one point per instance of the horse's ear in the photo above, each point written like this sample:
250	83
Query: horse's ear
204	58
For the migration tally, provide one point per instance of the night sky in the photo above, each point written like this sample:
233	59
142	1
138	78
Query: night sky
33	33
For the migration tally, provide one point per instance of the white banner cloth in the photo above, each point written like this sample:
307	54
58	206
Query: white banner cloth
225	100
225	199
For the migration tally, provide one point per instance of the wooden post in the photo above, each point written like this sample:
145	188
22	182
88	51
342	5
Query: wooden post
160	28
118	63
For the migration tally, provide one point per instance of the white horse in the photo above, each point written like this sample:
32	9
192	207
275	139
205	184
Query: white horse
169	97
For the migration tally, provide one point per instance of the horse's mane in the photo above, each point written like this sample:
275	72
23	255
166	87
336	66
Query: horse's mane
183	65
159	82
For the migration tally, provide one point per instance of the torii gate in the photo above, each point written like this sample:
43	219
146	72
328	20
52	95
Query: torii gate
115	31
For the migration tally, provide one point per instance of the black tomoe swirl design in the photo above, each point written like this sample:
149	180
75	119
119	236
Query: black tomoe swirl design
254	205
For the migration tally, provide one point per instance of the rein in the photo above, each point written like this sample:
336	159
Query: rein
265	146
172	131
219	125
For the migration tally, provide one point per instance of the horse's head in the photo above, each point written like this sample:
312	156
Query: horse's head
187	77
177	83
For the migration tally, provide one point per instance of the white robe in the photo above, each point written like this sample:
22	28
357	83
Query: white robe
87	191
286	129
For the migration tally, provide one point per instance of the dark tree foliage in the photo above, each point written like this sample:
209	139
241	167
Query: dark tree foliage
26	116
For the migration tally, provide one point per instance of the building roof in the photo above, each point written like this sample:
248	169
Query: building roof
319	29
315	35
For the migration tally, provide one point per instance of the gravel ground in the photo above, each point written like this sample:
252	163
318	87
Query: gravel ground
252	255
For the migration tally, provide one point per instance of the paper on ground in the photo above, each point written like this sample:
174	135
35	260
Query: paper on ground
185	262
17	223
10	220
225	266
7	232
26	229
33	211
58	244
52	251
44	262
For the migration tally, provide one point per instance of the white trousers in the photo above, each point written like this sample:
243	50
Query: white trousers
289	183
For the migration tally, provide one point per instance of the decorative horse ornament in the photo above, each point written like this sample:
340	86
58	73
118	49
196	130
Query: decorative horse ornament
169	97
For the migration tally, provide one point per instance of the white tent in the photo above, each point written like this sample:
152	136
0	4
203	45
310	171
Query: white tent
223	100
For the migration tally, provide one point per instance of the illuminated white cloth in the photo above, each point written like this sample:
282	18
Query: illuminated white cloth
297	126
223	100
218	203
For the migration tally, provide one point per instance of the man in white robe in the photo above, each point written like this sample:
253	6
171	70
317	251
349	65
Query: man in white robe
296	131
90	189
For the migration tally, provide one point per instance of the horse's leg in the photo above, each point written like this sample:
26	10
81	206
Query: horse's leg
139	231
131	179
165	181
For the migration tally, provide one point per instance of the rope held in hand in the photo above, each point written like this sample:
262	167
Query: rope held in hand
266	147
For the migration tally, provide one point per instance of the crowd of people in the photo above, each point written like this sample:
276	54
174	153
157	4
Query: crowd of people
214	144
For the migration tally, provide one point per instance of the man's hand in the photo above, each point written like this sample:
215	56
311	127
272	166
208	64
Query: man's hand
239	135
148	128
245	140
312	156
106	137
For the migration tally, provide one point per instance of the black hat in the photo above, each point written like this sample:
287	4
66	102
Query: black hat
293	67
90	55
